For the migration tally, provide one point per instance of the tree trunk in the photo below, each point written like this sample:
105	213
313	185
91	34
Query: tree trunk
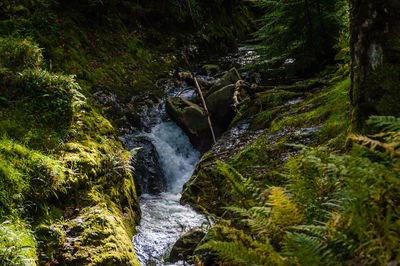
375	53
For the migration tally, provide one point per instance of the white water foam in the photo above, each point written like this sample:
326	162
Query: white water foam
164	219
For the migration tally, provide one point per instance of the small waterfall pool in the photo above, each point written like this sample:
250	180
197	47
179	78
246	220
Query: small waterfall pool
164	219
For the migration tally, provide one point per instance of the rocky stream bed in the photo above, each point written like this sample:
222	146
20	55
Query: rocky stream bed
176	149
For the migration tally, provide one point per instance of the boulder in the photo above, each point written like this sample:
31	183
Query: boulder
230	77
185	76
210	69
191	118
186	245
120	114
219	105
148	173
188	78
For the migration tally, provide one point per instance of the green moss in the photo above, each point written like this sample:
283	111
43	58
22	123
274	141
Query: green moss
18	54
305	86
48	170
17	244
26	174
264	101
98	236
330	108
321	118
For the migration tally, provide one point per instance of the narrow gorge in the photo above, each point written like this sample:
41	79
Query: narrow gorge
109	108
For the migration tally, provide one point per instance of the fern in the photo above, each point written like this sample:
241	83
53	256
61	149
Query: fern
249	193
390	148
235	253
389	140
304	249
387	123
284	212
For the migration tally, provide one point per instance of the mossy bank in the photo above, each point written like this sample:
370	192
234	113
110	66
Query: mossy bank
66	181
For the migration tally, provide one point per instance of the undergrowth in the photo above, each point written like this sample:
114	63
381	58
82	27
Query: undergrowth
57	153
334	208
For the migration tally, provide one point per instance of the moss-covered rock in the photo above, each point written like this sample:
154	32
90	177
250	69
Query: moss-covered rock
186	244
70	166
258	143
220	103
230	77
96	236
210	69
191	118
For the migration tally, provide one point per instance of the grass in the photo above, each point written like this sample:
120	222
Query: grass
27	174
57	153
17	243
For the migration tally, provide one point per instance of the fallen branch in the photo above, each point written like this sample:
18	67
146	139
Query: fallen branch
202	99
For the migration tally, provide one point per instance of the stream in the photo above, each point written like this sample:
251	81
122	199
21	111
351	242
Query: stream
164	219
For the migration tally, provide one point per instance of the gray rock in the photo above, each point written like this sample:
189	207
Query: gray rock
230	77
210	69
219	104
186	76
186	245
191	118
148	173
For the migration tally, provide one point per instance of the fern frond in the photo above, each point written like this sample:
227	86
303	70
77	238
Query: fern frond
249	193
315	230
304	249
284	212
388	123
236	253
390	148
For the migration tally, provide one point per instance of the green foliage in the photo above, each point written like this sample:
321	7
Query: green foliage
17	55
316	178
234	247
387	123
305	30
27	175
304	249
49	96
235	253
347	205
388	140
247	192
45	96
17	244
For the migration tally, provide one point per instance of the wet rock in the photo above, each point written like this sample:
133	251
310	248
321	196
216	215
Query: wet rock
186	76
191	118
210	69
230	77
97	236
186	245
148	173
205	84
219	104
203	81
121	115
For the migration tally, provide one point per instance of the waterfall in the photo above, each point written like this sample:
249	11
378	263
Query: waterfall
164	219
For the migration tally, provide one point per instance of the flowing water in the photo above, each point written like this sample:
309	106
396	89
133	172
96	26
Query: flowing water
164	219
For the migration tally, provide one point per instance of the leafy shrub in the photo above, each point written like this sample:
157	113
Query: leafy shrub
18	54
47	95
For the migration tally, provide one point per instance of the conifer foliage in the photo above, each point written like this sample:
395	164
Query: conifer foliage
304	30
